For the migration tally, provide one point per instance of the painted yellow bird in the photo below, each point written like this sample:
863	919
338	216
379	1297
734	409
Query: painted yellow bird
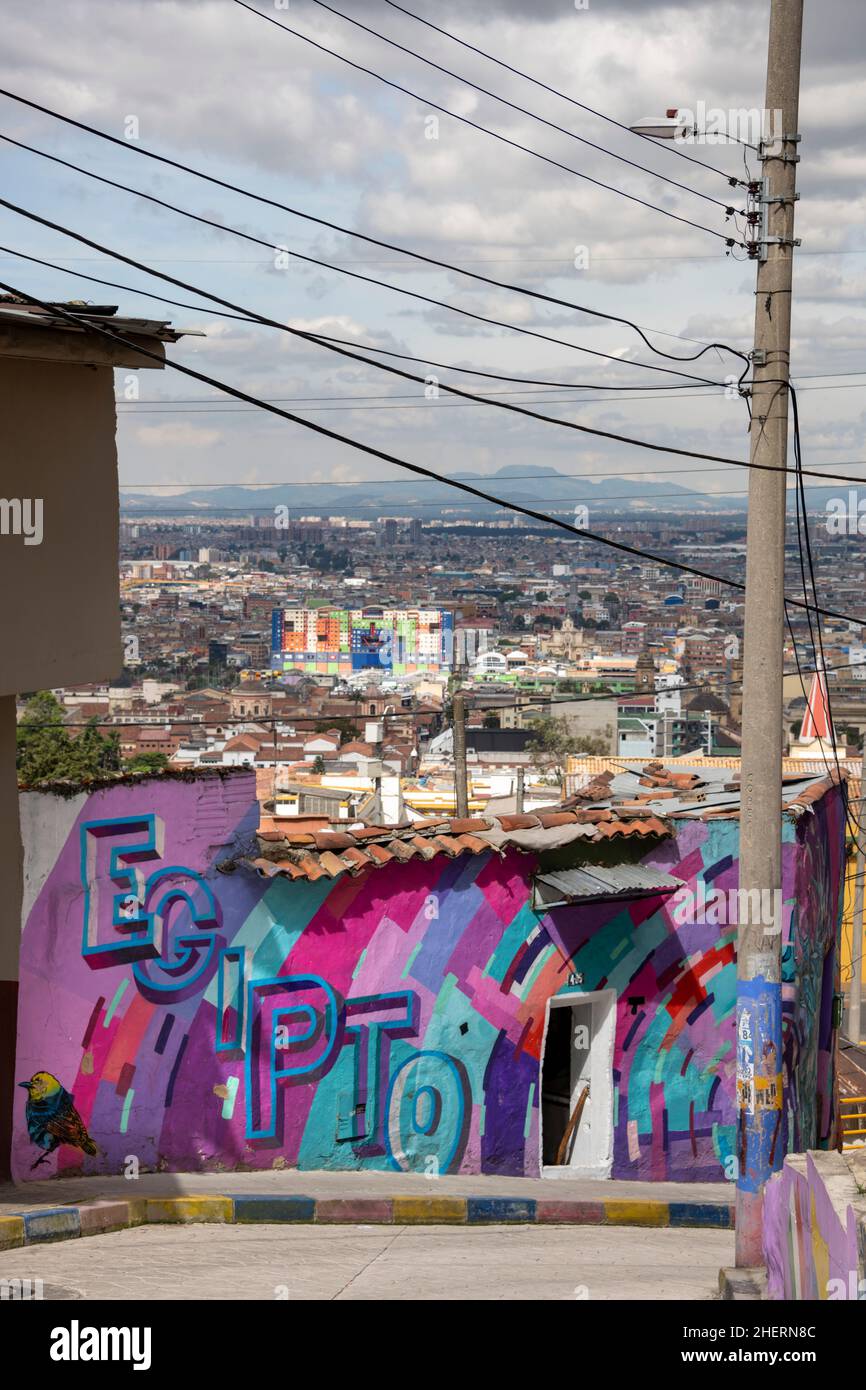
52	1118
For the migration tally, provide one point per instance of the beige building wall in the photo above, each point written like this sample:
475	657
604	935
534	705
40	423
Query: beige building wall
59	619
59	594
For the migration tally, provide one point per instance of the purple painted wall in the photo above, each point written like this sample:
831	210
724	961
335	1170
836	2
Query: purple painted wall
204	1019
815	1230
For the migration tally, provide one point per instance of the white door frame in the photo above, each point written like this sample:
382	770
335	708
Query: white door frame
600	1100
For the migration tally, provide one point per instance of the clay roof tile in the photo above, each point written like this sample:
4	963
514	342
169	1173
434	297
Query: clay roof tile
518	822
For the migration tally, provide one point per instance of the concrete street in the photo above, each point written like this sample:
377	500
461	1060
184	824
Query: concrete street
374	1262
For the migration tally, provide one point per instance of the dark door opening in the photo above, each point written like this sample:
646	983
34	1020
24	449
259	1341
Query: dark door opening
555	1084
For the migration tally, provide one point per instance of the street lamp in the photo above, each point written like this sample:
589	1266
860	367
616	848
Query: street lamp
666	127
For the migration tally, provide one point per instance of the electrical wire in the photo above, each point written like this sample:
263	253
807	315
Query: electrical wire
386	352
381	366
526	705
523	110
383	284
518	72
486	130
458	485
395	371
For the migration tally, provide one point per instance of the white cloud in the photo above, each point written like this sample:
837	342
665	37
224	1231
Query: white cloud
182	435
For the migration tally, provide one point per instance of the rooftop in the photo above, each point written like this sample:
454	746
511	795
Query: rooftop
14	312
641	802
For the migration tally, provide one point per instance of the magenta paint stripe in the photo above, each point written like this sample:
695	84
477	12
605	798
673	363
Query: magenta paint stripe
92	1021
124	1081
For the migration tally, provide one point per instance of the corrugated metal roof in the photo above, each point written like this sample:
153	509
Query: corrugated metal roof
603	881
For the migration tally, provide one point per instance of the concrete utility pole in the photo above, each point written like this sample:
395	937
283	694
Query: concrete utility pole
759	954
461	788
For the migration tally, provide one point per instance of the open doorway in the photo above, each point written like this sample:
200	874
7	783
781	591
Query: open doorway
577	1085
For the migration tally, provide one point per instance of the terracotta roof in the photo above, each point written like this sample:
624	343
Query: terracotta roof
641	801
304	852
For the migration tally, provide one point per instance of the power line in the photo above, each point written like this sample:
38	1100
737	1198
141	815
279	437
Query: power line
320	221
142	405
367	280
457	485
386	352
382	366
395	371
524	111
382	284
527	704
518	72
486	130
168	406
512	477
474	260
554	503
431	362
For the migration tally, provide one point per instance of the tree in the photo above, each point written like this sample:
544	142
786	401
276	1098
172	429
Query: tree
553	744
146	762
46	752
43	742
319	764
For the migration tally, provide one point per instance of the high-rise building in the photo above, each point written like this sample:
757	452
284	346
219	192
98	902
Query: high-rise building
337	641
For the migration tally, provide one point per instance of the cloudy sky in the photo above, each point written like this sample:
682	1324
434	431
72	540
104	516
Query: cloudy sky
208	83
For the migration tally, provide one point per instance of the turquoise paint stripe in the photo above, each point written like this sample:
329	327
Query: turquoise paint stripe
446	990
519	929
717	1057
274	926
124	1114
118	995
482	1113
229	1102
528	1121
362	957
411	961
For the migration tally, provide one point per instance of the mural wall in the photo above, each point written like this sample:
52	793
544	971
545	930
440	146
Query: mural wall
815	1230
189	1017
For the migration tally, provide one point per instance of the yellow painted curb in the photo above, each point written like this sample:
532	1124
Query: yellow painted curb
187	1209
11	1232
416	1211
618	1213
137	1211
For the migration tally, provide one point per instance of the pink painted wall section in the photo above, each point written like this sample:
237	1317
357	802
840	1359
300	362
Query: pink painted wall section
179	1011
815	1229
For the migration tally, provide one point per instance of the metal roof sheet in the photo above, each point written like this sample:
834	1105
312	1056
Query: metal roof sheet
604	881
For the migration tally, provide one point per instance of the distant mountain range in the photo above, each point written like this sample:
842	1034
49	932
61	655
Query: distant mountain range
545	489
